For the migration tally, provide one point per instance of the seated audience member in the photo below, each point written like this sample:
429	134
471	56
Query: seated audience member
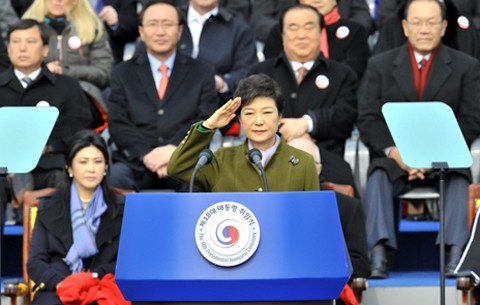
7	17
155	98
388	8
460	34
258	104
78	45
341	40
77	228
319	92
423	69
121	21
29	81
240	8
266	13
215	36
351	213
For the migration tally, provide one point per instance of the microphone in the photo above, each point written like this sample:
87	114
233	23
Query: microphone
204	158
255	156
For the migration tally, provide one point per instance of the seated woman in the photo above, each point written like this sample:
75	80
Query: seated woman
78	45
258	105
77	229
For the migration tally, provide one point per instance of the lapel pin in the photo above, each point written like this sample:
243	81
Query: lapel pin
293	160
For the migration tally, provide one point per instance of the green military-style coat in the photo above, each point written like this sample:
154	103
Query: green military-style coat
289	169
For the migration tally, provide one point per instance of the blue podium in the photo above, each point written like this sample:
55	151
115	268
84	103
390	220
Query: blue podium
301	253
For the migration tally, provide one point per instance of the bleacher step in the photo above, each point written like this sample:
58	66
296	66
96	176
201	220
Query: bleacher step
411	288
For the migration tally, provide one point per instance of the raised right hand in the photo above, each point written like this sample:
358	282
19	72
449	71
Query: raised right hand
223	115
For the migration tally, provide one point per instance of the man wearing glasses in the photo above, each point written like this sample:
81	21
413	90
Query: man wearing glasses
423	69
155	98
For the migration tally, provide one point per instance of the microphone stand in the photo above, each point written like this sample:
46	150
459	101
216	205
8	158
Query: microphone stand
264	177
441	167
192	179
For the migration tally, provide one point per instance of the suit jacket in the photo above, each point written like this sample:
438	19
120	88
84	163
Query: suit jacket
52	237
454	78
227	43
60	91
266	14
352	50
231	170
333	109
139	121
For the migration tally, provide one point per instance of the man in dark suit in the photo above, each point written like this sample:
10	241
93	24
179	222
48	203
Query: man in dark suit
323	104
215	36
460	34
29	81
423	69
266	13
155	98
346	40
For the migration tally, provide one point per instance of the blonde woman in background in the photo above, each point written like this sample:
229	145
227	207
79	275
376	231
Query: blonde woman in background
78	44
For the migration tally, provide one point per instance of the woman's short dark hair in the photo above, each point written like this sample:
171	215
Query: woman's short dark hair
25	24
259	85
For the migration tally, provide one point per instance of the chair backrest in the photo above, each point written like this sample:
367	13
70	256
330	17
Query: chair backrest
473	202
30	205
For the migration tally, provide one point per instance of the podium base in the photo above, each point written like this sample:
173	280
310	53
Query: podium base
332	302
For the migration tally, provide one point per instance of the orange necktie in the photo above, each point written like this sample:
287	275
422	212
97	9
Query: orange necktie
162	86
301	74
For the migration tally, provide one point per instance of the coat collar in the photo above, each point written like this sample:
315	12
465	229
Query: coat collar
222	15
438	74
60	226
320	61
179	72
9	78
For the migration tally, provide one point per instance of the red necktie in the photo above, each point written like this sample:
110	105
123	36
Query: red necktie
301	74
162	86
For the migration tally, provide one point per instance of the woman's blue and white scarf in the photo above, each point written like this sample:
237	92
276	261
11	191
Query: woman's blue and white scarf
85	225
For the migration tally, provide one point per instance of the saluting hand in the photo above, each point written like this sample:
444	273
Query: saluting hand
223	115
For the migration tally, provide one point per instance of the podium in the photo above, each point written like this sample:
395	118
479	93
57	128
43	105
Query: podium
301	254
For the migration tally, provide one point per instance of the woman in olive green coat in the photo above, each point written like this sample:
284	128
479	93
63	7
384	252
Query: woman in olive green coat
258	105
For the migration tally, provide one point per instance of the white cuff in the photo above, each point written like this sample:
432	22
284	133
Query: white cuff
309	122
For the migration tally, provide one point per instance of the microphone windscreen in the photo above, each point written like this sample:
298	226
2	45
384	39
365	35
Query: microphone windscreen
207	154
254	155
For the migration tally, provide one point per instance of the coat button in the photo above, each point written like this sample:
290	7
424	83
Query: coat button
161	112
160	139
293	95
